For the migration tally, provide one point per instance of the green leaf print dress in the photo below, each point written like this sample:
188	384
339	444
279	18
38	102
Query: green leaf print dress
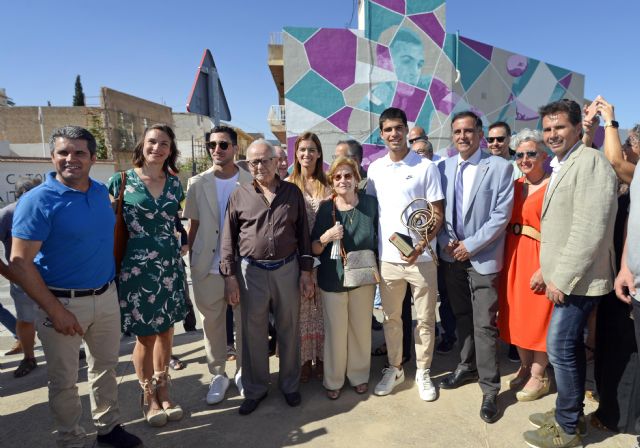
151	282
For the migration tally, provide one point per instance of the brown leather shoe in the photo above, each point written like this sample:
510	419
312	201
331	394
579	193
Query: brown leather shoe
16	349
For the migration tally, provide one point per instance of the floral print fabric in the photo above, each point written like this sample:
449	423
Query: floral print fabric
151	282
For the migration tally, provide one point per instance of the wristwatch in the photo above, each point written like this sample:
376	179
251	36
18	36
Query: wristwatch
612	123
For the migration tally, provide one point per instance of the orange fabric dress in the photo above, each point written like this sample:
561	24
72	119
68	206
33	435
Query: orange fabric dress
523	316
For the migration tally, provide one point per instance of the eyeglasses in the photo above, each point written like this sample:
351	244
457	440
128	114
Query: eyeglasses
338	177
413	140
348	156
222	145
255	162
498	139
530	154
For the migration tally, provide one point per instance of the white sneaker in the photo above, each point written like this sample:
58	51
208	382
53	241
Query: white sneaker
238	381
391	377
425	386
217	389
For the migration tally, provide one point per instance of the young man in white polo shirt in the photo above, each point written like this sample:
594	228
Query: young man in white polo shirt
397	179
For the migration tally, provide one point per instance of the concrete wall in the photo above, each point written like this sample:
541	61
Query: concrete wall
338	81
12	169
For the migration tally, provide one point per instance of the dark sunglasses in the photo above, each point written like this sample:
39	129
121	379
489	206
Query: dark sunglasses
413	140
222	145
498	139
530	154
347	176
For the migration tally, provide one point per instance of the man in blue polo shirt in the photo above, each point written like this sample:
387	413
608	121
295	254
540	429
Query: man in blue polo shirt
62	256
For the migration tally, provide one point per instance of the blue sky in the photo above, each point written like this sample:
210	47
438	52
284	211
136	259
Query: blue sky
151	49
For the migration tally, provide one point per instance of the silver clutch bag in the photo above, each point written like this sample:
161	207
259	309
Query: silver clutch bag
360	268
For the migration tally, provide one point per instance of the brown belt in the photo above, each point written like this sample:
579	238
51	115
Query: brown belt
520	229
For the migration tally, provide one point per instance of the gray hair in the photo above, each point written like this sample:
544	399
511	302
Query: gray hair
635	130
262	141
528	135
73	133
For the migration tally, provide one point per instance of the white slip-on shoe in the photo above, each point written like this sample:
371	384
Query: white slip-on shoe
217	389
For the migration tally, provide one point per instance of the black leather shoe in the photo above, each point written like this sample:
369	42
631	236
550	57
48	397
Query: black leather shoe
119	438
249	405
489	408
293	399
458	378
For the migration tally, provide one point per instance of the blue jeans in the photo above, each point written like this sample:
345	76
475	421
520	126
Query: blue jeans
565	347
8	320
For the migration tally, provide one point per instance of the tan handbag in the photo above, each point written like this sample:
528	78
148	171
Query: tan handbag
360	266
120	231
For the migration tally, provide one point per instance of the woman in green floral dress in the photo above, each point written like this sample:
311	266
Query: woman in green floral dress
151	281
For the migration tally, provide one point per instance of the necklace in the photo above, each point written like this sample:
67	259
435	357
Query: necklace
527	181
350	218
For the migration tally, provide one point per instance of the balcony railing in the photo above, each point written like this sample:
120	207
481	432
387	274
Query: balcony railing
277	116
275	38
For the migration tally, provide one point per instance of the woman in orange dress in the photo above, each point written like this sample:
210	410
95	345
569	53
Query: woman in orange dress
525	312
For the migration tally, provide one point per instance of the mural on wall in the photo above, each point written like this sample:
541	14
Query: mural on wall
338	81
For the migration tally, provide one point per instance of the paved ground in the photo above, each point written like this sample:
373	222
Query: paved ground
400	419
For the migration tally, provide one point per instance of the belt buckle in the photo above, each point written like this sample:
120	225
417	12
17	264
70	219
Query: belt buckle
517	229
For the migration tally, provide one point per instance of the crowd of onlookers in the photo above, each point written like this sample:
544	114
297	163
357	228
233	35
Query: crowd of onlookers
523	237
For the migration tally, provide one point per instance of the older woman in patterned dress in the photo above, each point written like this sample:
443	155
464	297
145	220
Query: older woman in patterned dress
151	282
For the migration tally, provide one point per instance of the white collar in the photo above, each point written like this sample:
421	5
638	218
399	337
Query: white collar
408	159
473	160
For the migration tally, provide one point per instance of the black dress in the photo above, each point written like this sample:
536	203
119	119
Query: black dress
617	366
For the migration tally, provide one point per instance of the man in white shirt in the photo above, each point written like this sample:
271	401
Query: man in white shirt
207	197
479	199
397	179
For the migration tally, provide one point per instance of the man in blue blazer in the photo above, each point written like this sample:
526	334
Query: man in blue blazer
478	201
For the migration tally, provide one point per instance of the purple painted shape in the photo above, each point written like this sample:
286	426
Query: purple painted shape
394	5
291	145
524	112
484	50
517	65
444	100
598	138
341	118
409	99
564	82
332	53
430	24
372	153
383	58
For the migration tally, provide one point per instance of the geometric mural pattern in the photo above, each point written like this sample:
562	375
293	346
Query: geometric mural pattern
338	81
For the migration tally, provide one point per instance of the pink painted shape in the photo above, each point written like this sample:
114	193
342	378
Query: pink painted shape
564	82
517	65
332	53
429	24
383	58
409	99
484	50
394	5
341	118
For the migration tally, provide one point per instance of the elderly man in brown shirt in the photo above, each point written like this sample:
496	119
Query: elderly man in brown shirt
266	257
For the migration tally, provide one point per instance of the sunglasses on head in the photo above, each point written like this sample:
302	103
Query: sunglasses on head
222	145
347	176
530	154
498	139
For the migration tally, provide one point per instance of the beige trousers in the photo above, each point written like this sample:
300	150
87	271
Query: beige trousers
347	336
422	278
208	296
99	317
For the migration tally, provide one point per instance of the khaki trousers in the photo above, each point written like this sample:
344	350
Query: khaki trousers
422	278
99	317
208	296
347	336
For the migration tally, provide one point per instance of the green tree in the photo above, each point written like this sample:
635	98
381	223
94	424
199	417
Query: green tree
78	96
96	127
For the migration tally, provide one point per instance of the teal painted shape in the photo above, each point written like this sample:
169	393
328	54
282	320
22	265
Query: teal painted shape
421	6
470	64
449	47
558	72
316	94
557	94
300	34
521	82
424	117
379	19
374	138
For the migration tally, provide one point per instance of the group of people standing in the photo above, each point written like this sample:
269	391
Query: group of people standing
526	260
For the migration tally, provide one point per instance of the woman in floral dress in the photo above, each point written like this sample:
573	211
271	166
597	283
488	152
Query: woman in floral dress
309	176
151	281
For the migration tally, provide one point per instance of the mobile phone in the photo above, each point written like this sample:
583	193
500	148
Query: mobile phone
403	242
592	111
